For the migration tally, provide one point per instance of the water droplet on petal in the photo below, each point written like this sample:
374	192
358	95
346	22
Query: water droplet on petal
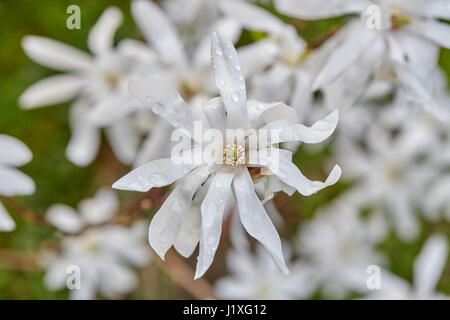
260	107
237	67
235	96
241	78
218	184
157	108
219	52
222	83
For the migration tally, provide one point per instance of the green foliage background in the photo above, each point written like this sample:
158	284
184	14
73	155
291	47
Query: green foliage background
46	132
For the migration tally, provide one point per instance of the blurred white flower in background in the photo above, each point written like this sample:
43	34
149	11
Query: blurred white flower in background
391	170
231	111
13	153
338	245
403	48
255	276
98	84
427	271
105	254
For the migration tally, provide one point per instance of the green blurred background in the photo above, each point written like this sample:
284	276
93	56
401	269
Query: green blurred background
46	132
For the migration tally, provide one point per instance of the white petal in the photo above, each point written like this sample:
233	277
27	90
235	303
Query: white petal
344	55
155	146
166	224
257	56
319	9
287	131
83	145
251	16
273	84
212	210
287	172
13	152
438	32
190	233
157	173
260	113
15	183
229	80
255	219
124	139
431	8
6	222
159	31
55	55
101	208
112	108
164	101
430	263
101	36
64	218
51	90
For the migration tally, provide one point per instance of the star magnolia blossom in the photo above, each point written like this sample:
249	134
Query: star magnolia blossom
98	83
397	40
13	153
106	255
339	242
173	224
427	270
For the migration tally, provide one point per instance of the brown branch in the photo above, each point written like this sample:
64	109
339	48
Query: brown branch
183	275
25	212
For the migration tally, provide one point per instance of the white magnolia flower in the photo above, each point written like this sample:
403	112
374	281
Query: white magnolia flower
428	267
105	255
13	153
397	40
255	276
339	246
98	83
176	223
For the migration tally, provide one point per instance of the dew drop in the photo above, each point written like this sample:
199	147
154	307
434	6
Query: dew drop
157	108
218	184
222	83
219	52
241	78
158	179
235	96
237	67
260	107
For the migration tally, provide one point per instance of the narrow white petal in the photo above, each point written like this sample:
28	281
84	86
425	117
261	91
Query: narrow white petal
257	56
101	208
13	151
429	264
287	172
251	16
159	31
83	145
166	224
164	101
190	233
55	55
255	219
212	210
287	131
15	183
229	80
6	222
344	55
101	36
157	173
439	32
319	9
124	139
51	90
431	8
64	218
260	113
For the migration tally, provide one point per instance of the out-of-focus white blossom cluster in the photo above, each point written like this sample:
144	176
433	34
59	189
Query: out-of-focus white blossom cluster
374	86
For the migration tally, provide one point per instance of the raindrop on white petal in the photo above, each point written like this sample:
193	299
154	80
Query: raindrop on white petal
157	108
219	52
186	169
242	87
237	67
235	97
218	184
241	78
260	107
